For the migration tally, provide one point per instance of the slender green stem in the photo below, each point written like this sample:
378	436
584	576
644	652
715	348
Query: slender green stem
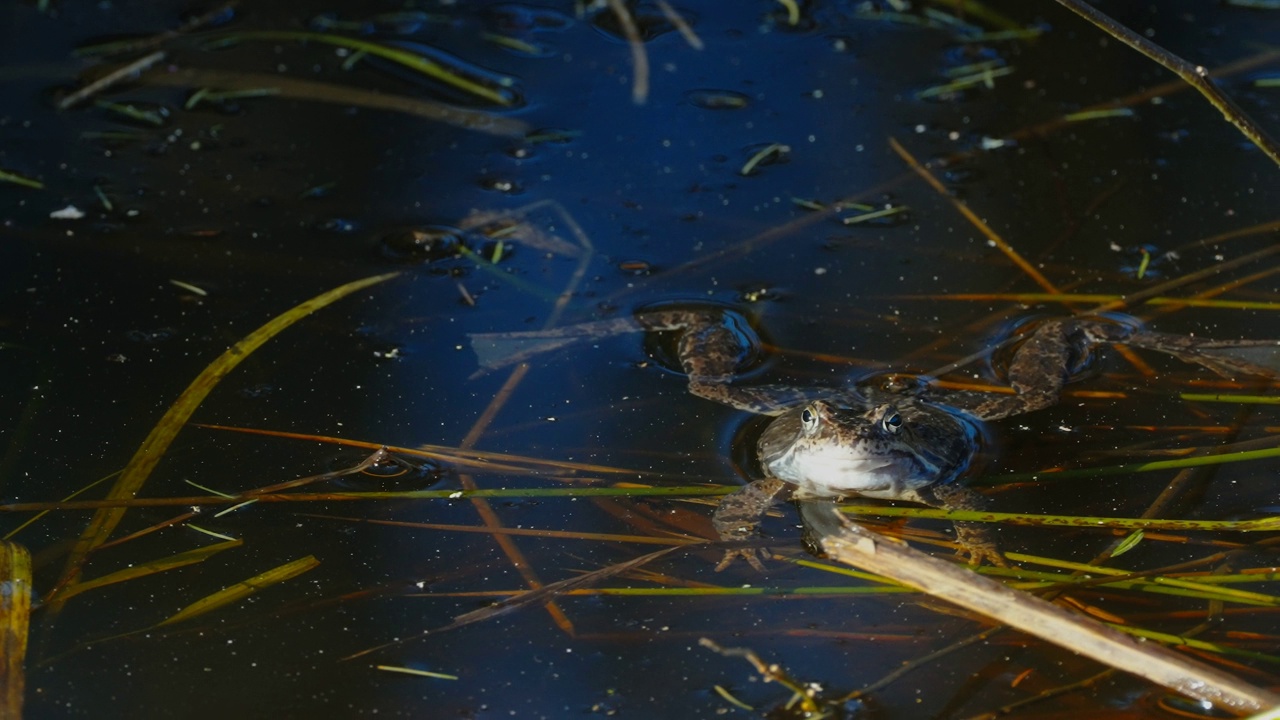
1195	75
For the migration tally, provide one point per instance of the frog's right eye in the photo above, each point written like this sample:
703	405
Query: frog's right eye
808	418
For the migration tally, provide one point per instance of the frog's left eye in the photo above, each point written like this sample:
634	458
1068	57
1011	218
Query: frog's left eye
809	418
891	422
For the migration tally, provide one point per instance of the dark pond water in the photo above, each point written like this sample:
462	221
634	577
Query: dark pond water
263	202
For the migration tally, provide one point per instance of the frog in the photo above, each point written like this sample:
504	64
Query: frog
899	438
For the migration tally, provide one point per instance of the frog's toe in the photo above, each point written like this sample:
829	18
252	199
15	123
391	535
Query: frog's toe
753	557
977	542
980	554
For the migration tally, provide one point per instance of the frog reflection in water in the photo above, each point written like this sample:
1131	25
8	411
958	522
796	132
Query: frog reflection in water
896	442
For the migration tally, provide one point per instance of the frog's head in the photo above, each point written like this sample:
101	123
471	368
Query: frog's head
885	450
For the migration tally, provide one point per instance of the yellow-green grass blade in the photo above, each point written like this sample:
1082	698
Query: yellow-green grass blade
20	180
190	557
1171	639
1261	524
1155	465
153	448
244	589
413	61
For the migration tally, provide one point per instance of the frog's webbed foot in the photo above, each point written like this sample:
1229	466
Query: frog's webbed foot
1228	358
754	557
737	518
977	543
975	539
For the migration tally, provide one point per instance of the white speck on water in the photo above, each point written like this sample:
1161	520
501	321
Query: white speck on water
70	212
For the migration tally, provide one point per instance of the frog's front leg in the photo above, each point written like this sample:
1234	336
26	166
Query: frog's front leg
738	516
975	539
713	345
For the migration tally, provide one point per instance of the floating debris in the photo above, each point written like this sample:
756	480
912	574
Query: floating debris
717	99
190	288
210	96
793	11
427	243
156	116
419	673
768	155
808	204
131	70
985	78
1099	114
875	215
70	212
516	45
635	267
553	135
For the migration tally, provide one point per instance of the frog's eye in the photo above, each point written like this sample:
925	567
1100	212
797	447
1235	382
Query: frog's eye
808	418
891	422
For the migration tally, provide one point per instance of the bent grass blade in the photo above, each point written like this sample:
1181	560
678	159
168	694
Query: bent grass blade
413	61
335	94
153	448
242	590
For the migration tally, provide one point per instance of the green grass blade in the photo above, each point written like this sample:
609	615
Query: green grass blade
153	448
190	557
1169	639
244	589
1227	398
19	180
1262	524
1197	461
413	61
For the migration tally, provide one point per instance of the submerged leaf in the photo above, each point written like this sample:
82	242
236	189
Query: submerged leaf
1128	543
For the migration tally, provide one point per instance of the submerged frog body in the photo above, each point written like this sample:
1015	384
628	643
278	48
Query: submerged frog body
895	442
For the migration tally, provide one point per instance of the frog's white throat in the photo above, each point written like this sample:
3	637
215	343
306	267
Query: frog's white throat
830	470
